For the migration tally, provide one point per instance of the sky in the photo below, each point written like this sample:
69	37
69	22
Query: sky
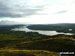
38	11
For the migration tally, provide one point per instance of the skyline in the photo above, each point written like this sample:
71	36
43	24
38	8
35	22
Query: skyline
38	11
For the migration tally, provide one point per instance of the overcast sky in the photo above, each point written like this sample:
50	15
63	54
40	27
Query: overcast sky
38	11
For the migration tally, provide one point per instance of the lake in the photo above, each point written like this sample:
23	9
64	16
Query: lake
49	33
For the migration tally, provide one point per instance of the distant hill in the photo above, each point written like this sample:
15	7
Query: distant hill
7	28
64	27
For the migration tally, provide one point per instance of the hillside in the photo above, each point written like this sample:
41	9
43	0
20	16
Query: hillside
41	45
24	41
64	27
33	44
27	53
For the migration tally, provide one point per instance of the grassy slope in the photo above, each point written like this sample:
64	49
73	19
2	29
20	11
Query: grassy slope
34	41
9	42
56	44
51	44
27	53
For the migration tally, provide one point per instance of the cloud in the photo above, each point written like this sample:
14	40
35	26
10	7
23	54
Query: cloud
11	8
34	11
63	11
6	22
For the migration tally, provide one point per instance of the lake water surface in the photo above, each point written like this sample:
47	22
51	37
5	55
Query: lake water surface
49	33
